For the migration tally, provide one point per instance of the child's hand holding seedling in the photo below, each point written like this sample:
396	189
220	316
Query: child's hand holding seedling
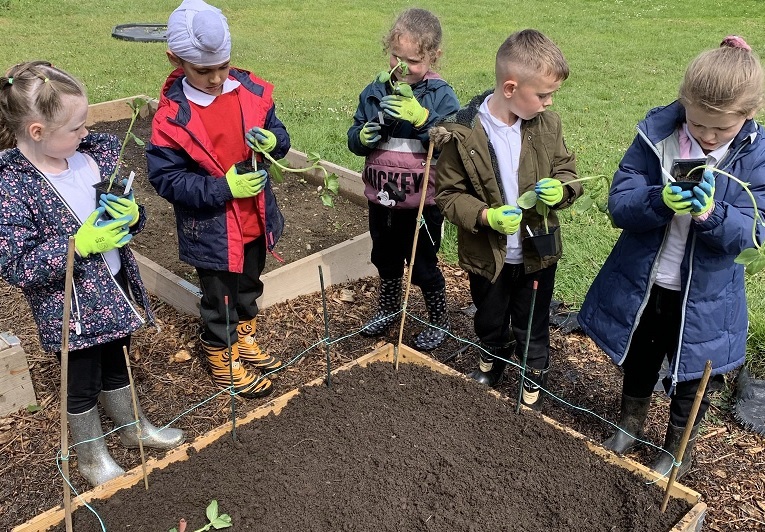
703	195
370	134
99	236
549	191
677	199
505	219
120	207
260	139
404	108
247	184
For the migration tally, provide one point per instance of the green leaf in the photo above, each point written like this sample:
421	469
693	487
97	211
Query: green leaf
137	104
403	89
383	77
602	206
212	511
332	183
747	256
527	200
326	199
756	265
137	140
543	209
172	529
223	521
276	174
583	203
313	157
31	409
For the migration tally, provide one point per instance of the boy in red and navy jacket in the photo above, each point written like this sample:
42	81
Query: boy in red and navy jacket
210	117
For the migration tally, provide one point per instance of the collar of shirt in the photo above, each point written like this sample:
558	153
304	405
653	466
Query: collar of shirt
495	122
697	153
203	99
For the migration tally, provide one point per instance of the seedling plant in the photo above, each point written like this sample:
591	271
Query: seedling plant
215	521
135	105
398	87
530	199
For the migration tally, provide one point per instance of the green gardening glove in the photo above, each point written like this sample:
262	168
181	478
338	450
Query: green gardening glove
259	139
404	108
505	219
117	207
677	199
370	134
549	191
703	194
246	185
100	236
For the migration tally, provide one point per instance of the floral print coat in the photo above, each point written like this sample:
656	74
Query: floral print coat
35	225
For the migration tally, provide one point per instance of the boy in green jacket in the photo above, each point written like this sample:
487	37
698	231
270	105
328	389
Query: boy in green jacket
503	144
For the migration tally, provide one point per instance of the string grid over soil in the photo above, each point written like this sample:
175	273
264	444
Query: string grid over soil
369	454
171	378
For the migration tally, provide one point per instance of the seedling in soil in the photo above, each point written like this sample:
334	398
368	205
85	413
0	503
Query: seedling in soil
530	200
215	521
105	186
327	192
398	87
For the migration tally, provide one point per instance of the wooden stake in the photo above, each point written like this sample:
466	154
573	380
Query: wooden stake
137	419
65	381
687	431
423	194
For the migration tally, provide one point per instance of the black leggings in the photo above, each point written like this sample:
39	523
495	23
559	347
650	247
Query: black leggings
655	339
93	369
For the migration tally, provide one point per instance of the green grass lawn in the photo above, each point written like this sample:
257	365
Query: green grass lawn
626	56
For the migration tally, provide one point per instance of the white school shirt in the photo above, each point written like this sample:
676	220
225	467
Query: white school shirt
75	185
506	141
202	99
671	256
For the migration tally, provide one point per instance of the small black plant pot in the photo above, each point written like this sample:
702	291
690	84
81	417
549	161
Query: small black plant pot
245	167
545	244
686	172
102	187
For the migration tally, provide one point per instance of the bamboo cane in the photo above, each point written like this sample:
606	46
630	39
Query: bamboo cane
65	381
423	194
526	346
137	420
326	325
687	431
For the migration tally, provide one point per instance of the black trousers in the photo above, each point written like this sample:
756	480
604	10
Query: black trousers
243	290
392	232
655	339
92	370
508	301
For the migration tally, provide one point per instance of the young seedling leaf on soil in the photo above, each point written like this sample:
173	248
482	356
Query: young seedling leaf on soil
215	521
136	105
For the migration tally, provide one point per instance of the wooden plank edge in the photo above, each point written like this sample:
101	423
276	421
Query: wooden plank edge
350	182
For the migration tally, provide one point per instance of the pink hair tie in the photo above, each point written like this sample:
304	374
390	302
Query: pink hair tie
734	41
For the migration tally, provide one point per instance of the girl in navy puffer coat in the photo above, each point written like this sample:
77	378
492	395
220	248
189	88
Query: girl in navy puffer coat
670	287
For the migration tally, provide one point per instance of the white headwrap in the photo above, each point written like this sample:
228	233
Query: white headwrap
198	33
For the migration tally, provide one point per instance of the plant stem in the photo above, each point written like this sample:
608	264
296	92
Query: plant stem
745	186
314	166
122	148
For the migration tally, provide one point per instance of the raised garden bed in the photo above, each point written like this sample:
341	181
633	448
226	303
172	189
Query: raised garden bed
417	448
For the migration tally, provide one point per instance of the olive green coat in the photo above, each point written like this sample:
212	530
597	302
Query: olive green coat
468	182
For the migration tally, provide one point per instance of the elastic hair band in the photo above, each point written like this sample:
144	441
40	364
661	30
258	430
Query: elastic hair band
734	41
10	81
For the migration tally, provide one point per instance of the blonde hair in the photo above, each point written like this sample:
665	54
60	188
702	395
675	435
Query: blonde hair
421	26
530	53
33	90
727	80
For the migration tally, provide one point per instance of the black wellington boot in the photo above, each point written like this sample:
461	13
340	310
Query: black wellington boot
491	370
388	306
433	336
532	395
663	463
632	418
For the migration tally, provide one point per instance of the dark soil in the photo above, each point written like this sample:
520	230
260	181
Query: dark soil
171	379
393	450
